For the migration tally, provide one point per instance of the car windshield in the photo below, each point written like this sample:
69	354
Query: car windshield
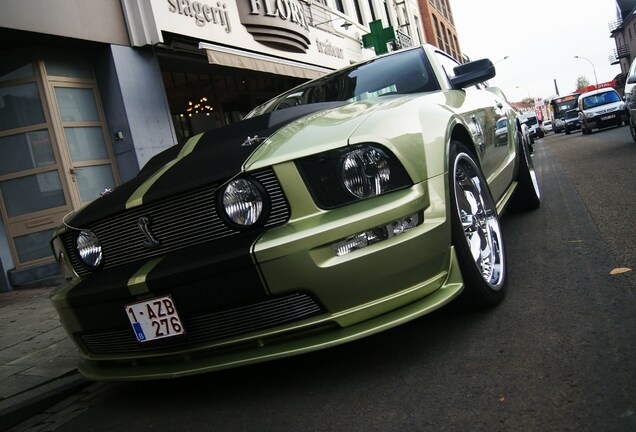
600	99
571	114
531	121
401	73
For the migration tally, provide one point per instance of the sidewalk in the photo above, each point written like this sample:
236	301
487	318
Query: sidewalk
37	358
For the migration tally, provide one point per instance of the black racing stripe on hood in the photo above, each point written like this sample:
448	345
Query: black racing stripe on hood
218	155
112	203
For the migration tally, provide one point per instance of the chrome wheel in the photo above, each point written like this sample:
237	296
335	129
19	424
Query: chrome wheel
479	221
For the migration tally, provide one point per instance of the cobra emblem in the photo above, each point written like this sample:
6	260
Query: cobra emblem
144	226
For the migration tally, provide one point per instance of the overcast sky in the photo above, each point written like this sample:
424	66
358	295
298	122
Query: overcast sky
541	38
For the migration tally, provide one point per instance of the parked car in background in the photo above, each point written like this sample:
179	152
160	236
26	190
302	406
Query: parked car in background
547	126
601	108
530	119
572	121
346	206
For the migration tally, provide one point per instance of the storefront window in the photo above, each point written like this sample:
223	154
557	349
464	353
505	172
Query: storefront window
32	193
76	104
25	151
64	64
86	143
92	180
54	148
20	106
15	66
34	246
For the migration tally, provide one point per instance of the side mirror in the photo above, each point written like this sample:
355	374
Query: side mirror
472	73
631	79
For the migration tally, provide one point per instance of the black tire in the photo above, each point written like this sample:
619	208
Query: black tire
476	232
528	194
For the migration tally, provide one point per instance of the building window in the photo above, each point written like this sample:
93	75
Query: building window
416	20
340	6
356	4
438	34
373	18
388	13
456	45
445	9
446	46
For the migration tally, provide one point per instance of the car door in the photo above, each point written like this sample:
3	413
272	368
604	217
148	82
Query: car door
481	110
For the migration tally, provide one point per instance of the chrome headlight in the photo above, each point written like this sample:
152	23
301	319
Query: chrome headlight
365	172
242	202
89	248
352	173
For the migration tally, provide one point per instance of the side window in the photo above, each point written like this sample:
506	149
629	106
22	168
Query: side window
447	63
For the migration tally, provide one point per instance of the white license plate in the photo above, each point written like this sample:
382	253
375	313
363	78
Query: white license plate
608	117
154	319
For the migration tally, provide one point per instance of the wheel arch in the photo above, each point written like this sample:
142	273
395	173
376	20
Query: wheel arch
460	133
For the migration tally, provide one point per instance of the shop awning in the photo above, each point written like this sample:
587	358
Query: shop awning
237	58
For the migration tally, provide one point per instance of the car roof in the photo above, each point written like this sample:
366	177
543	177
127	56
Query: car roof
598	91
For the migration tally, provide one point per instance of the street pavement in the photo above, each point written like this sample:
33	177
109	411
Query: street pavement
37	358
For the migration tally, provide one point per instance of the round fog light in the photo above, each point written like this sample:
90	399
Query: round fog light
242	202
89	248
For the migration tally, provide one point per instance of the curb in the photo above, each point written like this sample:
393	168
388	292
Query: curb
17	409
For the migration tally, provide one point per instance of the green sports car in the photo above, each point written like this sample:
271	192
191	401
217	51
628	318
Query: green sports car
346	206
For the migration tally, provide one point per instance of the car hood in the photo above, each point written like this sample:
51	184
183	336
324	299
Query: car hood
602	109
222	153
319	132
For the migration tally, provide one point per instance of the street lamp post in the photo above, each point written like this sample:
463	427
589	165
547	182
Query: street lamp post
500	60
593	68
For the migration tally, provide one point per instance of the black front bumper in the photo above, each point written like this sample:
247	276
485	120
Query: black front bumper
616	118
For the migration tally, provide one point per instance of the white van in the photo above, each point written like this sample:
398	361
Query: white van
601	108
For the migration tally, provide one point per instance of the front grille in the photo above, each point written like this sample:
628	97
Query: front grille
213	326
177	222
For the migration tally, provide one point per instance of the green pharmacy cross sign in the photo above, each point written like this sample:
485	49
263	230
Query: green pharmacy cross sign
378	37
